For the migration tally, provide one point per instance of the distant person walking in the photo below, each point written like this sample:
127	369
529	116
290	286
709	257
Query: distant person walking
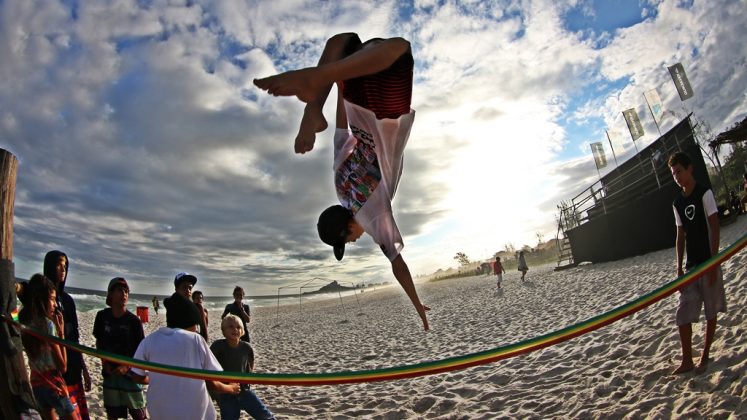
498	270
523	265
743	201
156	304
696	218
183	284
241	310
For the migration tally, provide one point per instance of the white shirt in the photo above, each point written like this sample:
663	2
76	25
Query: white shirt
368	157
174	397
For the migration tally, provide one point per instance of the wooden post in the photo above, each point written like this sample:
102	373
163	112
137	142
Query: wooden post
16	396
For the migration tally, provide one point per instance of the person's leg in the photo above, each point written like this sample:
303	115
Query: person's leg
313	120
311	83
709	334
229	407
138	413
251	403
686	335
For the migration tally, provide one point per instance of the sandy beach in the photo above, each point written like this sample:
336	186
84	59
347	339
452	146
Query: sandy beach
620	371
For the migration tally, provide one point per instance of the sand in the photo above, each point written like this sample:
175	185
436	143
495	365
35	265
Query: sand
620	371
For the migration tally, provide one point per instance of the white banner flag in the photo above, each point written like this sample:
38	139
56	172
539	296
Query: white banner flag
597	149
654	104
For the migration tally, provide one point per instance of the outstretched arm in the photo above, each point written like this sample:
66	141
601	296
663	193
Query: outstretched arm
403	276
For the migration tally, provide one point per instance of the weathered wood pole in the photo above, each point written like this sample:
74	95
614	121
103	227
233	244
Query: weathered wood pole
15	390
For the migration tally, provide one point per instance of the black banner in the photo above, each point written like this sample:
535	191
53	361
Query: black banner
680	81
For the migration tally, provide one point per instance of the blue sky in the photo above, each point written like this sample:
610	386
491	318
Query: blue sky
145	149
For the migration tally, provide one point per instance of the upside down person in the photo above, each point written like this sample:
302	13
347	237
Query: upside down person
373	122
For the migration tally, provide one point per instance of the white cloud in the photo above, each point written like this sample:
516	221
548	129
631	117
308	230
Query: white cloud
146	150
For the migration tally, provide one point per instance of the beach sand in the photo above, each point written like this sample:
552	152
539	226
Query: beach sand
620	371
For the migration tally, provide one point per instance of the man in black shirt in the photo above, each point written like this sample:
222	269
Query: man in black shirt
240	309
696	217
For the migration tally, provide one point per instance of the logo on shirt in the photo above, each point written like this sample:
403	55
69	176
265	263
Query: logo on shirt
359	175
690	211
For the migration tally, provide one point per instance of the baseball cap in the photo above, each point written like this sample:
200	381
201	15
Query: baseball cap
184	277
116	281
333	228
181	312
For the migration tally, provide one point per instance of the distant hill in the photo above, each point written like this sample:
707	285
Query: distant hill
331	288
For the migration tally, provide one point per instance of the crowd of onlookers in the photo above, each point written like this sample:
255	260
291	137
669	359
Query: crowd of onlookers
59	376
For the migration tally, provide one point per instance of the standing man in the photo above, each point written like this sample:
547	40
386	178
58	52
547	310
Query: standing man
696	217
77	378
183	284
119	331
240	309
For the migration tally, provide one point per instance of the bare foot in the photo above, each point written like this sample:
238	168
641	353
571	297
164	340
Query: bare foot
421	312
303	83
702	366
684	367
312	122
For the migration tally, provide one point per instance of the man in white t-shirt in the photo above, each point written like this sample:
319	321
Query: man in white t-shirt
373	122
178	344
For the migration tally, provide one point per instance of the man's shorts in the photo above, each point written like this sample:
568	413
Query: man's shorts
499	278
699	294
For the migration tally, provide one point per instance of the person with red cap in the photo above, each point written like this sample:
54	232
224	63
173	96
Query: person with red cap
374	119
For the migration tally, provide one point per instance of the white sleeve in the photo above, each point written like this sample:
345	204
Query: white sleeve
709	203
677	220
139	355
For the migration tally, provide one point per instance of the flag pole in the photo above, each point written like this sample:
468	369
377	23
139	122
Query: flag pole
652	115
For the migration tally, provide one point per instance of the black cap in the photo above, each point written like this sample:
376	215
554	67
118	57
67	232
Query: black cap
333	228
116	281
184	277
181	312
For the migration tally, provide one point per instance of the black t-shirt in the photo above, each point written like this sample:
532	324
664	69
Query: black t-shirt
692	215
117	335
74	367
233	308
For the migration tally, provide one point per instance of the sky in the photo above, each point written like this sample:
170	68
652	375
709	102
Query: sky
145	150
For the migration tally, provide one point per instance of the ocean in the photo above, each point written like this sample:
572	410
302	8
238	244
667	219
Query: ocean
95	300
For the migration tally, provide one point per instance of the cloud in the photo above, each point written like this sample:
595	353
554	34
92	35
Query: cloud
146	150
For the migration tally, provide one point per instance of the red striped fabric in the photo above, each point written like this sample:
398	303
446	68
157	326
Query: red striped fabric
387	93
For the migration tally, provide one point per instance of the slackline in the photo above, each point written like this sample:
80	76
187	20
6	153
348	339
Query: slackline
424	368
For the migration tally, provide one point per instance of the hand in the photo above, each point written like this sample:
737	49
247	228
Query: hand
233	389
121	370
59	324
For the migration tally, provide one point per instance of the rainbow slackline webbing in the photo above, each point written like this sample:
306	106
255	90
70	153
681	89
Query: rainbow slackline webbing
425	368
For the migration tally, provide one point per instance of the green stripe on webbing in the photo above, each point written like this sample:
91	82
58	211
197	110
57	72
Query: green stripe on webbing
424	368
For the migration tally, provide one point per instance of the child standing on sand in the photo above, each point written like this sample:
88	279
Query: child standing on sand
47	360
374	119
236	355
498	270
696	218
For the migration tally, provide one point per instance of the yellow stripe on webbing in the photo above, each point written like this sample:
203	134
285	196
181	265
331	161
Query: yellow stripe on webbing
425	368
